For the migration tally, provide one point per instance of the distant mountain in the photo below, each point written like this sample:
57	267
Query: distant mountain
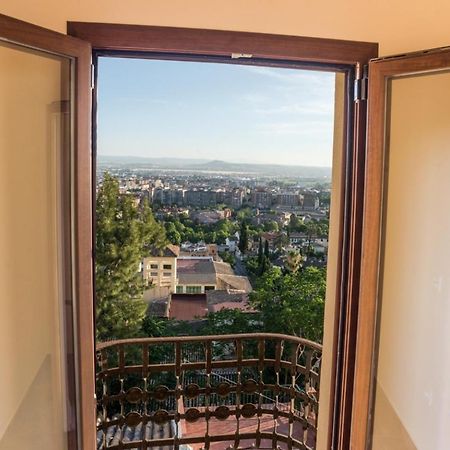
192	164
267	169
166	162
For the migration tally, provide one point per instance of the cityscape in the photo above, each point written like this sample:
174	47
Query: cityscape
213	188
225	227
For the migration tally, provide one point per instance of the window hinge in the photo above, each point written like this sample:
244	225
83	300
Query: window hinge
362	85
92	76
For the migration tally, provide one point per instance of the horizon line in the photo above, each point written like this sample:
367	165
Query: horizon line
99	155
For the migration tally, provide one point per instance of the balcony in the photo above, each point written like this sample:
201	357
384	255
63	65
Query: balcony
208	392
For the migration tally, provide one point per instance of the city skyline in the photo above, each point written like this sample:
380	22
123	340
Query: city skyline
210	111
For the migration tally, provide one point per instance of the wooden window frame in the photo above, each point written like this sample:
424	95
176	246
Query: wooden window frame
381	71
78	268
281	51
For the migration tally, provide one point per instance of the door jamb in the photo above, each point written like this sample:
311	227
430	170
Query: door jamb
277	50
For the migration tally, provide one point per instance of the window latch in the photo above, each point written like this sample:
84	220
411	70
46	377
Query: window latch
241	55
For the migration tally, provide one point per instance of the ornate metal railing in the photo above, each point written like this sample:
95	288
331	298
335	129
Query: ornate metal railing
246	390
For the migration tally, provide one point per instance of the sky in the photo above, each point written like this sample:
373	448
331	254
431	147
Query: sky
213	111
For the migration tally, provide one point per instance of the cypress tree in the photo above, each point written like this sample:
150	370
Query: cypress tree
243	238
266	249
260	252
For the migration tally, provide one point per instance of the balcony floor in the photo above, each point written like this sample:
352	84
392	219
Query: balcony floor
219	427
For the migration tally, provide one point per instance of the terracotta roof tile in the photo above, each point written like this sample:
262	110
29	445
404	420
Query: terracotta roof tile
187	307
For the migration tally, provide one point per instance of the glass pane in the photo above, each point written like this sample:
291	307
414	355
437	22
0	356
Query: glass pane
34	124
412	394
241	218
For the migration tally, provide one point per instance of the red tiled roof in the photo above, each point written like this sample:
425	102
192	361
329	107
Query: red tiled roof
188	307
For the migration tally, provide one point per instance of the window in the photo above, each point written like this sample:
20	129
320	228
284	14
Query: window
270	51
154	274
180	290
283	179
153	266
193	289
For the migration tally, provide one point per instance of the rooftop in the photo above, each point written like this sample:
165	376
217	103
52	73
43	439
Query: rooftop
227	299
201	271
169	251
187	307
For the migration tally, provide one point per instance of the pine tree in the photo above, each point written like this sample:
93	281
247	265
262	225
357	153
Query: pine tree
123	232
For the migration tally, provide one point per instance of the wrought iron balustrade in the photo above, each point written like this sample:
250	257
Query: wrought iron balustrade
208	392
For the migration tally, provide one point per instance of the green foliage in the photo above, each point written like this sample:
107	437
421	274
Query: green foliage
173	235
154	326
243	238
293	261
324	197
292	303
244	214
295	224
271	225
266	249
317	228
257	266
231	321
123	232
228	258
260	251
183	229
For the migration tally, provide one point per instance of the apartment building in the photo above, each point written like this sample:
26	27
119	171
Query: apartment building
261	198
159	269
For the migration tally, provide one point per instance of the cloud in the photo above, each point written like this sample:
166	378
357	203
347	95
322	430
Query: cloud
292	93
295	76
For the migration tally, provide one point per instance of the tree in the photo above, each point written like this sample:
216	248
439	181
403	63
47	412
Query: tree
293	261
153	326
260	252
263	259
253	268
173	235
266	249
231	321
152	232
244	214
292	303
228	258
123	232
271	225
295	224
243	238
